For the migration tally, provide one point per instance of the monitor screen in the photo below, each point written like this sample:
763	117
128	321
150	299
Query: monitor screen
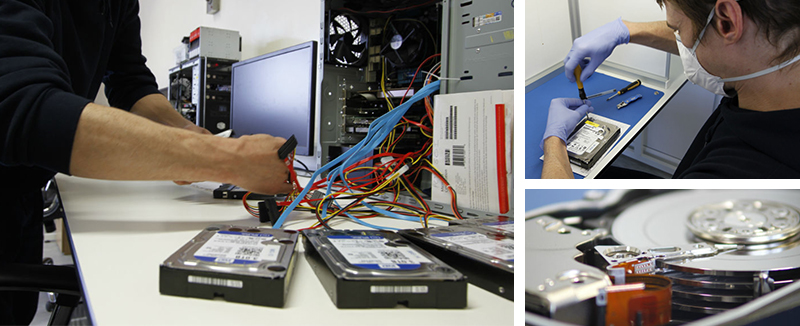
275	94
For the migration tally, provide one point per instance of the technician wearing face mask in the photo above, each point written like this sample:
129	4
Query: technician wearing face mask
744	50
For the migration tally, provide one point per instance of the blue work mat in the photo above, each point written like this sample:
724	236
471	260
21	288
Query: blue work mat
537	103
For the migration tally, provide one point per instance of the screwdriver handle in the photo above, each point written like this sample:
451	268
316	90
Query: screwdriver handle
577	73
630	86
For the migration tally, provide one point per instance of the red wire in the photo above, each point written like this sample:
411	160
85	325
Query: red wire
415	75
380	172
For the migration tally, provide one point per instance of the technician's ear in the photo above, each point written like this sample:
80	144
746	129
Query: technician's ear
729	21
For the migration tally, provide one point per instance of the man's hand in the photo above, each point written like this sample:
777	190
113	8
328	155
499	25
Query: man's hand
564	115
258	168
597	45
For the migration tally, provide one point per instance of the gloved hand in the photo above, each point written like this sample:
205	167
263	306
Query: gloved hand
597	45
564	115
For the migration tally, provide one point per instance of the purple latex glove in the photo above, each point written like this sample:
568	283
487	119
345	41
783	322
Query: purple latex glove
564	115
597	45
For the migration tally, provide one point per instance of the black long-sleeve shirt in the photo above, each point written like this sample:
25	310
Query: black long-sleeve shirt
53	57
736	143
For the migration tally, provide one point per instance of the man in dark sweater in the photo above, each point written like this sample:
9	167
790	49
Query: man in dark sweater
745	50
53	57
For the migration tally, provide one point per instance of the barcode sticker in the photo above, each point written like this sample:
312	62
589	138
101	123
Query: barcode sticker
486	19
249	253
459	154
374	253
216	281
398	289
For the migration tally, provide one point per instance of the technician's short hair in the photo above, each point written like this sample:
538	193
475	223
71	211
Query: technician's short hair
779	20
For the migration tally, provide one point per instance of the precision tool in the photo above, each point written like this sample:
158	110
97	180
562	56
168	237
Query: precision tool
579	82
628	101
601	93
627	88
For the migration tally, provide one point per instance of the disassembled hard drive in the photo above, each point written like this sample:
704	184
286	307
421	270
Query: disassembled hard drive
719	250
240	264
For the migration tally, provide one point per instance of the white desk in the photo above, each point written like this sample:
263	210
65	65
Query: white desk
122	231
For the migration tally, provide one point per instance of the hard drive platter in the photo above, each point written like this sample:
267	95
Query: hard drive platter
720	248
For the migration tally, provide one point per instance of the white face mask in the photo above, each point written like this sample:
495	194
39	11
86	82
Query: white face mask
698	75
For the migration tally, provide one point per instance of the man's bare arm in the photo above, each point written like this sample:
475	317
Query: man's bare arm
656	35
114	144
156	107
556	162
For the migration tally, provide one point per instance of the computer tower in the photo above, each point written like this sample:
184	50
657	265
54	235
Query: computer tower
368	46
200	90
356	37
475	40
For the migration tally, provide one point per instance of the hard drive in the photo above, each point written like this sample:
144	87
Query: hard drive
240	264
380	269
502	224
486	256
728	254
589	142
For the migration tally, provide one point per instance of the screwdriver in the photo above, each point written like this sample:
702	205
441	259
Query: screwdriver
627	88
580	83
601	93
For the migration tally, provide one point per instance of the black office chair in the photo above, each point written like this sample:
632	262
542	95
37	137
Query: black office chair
62	280
52	205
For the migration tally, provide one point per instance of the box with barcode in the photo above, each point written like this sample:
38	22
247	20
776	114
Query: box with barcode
380	269
236	263
472	148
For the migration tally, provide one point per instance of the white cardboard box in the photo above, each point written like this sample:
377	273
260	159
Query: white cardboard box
466	149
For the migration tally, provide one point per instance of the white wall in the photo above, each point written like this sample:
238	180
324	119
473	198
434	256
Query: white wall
595	13
265	26
548	37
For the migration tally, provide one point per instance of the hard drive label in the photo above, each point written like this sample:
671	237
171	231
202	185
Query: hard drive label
372	252
503	249
586	139
502	226
229	247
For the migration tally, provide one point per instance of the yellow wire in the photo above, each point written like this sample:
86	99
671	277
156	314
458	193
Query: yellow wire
421	157
421	205
368	193
383	84
424	134
432	166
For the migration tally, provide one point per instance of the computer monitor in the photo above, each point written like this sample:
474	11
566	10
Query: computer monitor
275	94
